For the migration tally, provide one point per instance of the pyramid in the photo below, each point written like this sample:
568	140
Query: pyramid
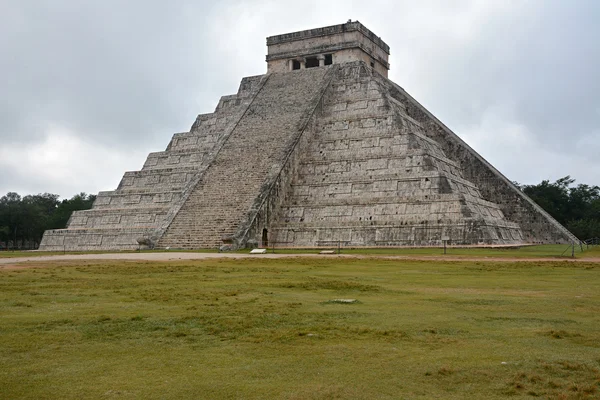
321	150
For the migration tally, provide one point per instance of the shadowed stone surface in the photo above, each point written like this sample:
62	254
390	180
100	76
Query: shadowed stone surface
313	157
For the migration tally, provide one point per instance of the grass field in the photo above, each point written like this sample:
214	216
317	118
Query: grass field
36	253
552	251
258	329
20	253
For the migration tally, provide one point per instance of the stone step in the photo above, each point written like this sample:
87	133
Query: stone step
93	239
427	178
420	223
301	201
135	198
167	169
164	178
190	158
399	152
366	177
120	211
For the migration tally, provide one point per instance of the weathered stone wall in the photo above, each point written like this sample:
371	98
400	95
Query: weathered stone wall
371	177
536	224
146	201
331	32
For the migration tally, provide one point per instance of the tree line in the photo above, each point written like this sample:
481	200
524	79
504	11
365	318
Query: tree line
23	220
577	208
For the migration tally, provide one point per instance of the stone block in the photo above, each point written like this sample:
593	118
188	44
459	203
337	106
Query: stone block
340	188
341	125
78	220
111	219
376	164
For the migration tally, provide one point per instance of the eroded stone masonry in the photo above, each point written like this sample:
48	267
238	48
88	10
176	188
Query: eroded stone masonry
320	150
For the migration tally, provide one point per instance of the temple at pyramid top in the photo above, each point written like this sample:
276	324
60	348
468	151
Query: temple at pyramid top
335	44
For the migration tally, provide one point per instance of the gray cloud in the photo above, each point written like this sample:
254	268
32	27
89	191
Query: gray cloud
112	80
113	71
531	66
542	64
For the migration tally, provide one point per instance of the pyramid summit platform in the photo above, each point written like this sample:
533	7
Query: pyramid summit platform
322	149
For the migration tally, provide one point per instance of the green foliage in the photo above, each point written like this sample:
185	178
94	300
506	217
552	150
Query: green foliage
63	211
24	219
585	228
576	207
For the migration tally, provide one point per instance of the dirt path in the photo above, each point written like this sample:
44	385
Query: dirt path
28	262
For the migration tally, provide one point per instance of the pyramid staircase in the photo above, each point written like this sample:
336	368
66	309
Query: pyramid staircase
256	149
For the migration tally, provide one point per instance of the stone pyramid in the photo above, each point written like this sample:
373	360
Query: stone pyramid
323	149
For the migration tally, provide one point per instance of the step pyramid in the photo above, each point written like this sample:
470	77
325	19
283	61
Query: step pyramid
323	149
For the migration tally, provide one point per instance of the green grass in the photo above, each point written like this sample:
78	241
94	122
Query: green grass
593	251
257	329
551	250
36	253
20	253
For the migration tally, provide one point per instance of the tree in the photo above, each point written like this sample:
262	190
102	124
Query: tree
578	207
36	213
61	215
11	215
552	197
23	220
581	201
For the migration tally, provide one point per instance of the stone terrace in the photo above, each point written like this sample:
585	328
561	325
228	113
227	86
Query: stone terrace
146	200
370	176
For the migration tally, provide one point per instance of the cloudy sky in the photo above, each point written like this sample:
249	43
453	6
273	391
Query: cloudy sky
89	88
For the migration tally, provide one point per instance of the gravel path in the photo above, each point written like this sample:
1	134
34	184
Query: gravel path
26	262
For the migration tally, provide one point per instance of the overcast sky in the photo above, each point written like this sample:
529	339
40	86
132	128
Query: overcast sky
89	88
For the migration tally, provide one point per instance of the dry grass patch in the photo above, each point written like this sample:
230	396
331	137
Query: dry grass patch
557	380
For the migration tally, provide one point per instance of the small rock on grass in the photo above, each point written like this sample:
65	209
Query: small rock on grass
344	301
